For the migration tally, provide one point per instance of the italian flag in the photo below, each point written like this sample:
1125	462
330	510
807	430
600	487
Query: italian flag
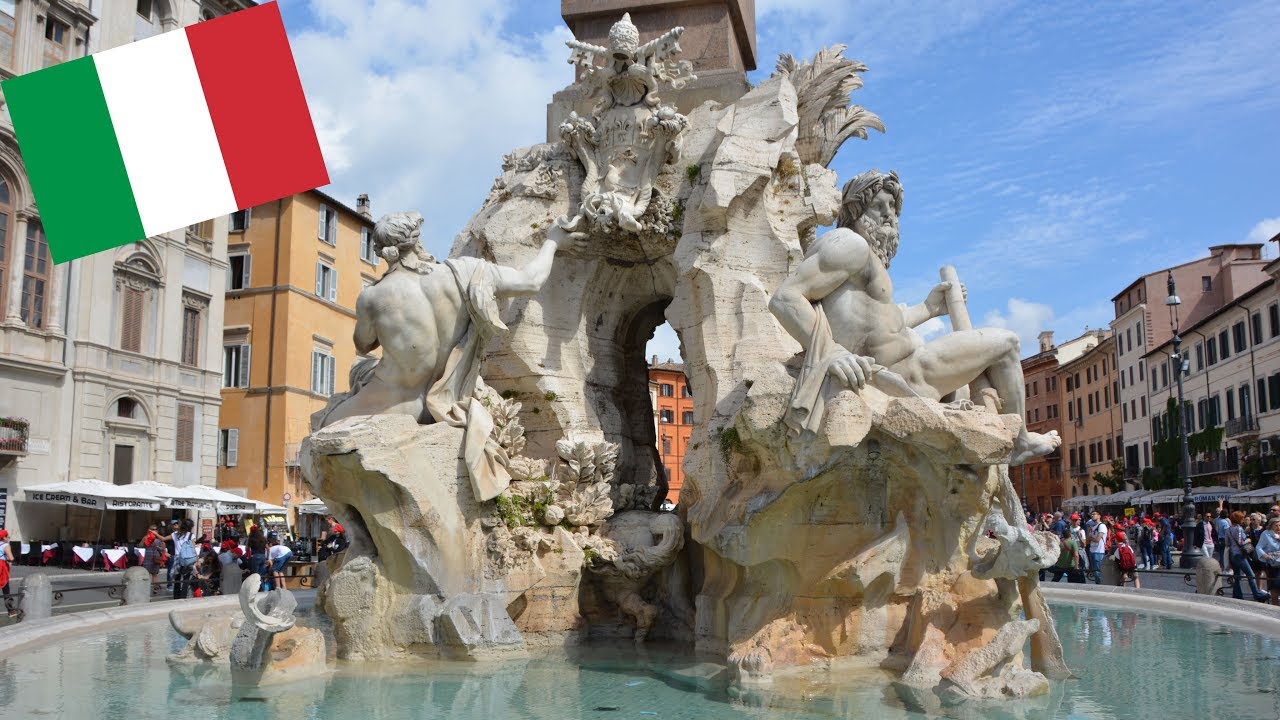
165	132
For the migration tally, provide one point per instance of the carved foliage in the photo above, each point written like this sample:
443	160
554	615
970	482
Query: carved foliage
823	86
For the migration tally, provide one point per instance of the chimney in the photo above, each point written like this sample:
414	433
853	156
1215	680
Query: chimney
1046	340
362	205
654	361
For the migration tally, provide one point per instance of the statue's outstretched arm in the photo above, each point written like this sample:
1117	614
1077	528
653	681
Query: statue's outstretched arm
529	279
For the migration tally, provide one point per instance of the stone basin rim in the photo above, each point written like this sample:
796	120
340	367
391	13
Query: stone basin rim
1242	614
33	634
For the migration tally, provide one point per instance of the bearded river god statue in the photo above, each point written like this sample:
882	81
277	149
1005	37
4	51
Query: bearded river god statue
842	473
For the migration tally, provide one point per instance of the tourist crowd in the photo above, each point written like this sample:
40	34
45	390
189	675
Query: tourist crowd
1248	545
197	567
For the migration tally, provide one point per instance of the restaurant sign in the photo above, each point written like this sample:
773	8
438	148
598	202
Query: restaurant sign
92	501
181	504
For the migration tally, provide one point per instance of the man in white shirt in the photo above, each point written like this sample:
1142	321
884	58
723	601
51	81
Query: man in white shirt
278	555
1097	546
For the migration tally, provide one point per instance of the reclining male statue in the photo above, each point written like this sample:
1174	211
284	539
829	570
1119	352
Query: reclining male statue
431	320
839	306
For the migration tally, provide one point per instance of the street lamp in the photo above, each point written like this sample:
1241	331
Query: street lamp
1190	551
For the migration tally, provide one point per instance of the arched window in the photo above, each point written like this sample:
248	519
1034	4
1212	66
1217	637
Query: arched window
35	276
6	212
136	279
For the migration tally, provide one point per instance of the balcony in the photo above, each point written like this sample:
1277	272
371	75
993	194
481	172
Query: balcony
1243	425
13	436
1079	471
1220	464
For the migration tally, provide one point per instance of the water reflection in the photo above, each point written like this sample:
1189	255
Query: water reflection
1131	665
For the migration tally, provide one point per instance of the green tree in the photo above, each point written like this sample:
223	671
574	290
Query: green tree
1113	480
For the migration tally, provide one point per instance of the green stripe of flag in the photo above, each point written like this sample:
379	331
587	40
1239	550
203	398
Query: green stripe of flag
72	157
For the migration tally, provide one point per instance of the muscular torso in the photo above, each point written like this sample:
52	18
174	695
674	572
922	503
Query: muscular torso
418	319
865	320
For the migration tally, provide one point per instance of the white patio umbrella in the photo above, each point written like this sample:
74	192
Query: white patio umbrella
314	506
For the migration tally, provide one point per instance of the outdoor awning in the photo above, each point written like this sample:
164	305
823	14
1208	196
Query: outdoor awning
1198	494
1259	496
314	506
94	494
266	507
198	497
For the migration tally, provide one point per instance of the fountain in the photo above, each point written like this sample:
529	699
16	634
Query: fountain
848	542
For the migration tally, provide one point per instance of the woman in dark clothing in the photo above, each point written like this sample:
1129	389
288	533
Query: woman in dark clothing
153	555
258	554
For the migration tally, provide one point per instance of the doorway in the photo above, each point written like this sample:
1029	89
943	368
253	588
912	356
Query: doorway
122	465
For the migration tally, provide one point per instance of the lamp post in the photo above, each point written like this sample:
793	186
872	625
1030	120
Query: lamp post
1190	551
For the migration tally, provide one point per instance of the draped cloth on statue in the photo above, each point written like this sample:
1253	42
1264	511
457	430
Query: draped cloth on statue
808	398
452	398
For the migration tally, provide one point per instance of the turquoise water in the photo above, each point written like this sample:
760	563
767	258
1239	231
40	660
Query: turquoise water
1132	666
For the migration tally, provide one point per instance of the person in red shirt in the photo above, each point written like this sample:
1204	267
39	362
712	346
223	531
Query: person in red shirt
5	562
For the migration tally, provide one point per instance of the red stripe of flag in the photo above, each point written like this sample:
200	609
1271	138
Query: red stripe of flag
255	99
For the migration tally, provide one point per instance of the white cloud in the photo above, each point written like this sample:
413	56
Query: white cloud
1264	230
416	103
1028	319
931	328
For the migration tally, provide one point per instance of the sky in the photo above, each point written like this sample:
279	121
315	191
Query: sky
1052	152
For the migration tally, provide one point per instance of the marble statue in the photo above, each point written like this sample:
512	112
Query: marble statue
270	647
631	135
209	637
838	304
647	542
431	321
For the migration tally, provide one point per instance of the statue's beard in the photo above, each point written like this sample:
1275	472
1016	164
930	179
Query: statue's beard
418	260
882	238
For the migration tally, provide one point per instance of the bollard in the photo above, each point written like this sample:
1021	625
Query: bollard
1111	574
37	597
137	586
1207	571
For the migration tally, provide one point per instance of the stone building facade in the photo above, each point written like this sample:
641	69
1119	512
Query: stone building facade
1142	323
1092	436
113	359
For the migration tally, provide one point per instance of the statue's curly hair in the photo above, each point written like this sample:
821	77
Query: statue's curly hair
394	232
860	191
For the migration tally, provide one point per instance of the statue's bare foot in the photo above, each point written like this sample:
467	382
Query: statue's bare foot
1031	445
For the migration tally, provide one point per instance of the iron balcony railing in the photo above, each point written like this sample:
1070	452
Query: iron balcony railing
1240	426
13	436
1079	470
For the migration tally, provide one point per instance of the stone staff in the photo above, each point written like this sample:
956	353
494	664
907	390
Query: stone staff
958	312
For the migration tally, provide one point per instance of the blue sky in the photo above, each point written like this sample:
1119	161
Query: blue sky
1052	152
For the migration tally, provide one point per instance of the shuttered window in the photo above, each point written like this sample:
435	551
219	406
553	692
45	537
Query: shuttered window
131	320
186	433
323	371
190	336
228	447
35	276
235	366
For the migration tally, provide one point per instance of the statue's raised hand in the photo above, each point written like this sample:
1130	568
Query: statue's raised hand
852	370
936	302
564	239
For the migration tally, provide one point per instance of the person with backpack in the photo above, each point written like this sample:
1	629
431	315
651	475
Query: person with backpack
1222	533
1239	550
184	557
1097	547
1165	543
1069	560
1146	544
1126	561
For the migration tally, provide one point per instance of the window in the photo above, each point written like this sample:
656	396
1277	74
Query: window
190	336
1142	339
1110	454
667	416
1262	396
1026	391
228	447
685	392
328	232
1215	411
1273	391
1071	412
1068	383
1142	402
1255	327
1224	350
367	252
1273	316
666	390
1199	356
323	370
1237	335
1091	410
1106	397
186	433
8	25
238	271
1131	375
1246	411
144	8
235	366
1079	406
326	282
1212	345
1124	413
56	34
1206	283
1164	375
1077	376
239	220
1072	455
35	276
1141	365
1035	387
1122	380
1202	412
5	211
126	407
1231	404
686	417
131	319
